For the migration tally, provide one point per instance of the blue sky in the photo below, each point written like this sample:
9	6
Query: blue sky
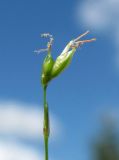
78	97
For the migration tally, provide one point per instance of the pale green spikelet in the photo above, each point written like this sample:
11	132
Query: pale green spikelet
51	68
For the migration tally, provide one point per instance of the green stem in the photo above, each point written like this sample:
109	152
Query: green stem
46	124
45	89
46	148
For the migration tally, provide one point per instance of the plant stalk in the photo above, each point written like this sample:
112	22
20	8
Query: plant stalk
46	129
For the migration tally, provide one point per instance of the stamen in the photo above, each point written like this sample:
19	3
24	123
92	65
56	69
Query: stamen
48	35
49	44
82	35
40	50
86	41
79	43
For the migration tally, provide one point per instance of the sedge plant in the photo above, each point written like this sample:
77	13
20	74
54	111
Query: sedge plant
52	68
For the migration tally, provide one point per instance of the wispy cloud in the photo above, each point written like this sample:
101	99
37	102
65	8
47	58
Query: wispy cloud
9	151
24	121
101	16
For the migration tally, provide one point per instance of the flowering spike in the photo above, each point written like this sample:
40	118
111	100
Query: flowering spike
51	68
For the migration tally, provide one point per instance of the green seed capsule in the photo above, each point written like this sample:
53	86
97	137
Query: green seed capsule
62	62
46	69
52	69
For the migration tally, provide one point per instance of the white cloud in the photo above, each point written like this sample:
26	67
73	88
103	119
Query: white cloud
24	121
101	16
16	151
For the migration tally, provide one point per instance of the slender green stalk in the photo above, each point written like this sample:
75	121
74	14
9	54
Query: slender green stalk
46	148
46	124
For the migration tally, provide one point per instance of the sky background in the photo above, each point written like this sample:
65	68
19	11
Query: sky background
78	98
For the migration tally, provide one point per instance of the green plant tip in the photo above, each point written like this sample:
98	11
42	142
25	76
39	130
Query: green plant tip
51	68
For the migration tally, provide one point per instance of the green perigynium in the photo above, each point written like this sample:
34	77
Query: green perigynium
62	63
51	69
46	69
